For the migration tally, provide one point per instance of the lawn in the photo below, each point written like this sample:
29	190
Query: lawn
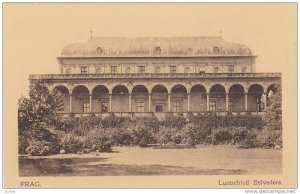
202	160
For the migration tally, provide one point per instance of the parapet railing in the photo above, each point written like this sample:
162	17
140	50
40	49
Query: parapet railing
154	75
159	114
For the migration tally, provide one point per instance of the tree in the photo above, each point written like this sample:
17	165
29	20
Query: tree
37	116
273	116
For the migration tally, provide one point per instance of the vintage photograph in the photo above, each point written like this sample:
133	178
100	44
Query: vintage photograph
113	90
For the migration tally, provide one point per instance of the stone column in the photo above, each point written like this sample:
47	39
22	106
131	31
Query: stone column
227	102
207	102
110	103
188	102
246	101
70	103
129	95
169	102
149	102
90	102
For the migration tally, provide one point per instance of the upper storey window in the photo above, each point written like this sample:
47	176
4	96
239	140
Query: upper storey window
113	69
172	69
216	50
141	69
244	69
98	70
158	50
216	70
84	70
230	68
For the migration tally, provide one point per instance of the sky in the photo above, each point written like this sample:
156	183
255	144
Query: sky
35	34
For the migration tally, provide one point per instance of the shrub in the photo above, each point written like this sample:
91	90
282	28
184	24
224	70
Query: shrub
168	135
41	148
71	142
221	136
99	140
175	122
267	138
141	135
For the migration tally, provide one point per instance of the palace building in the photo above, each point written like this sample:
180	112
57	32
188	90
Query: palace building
159	75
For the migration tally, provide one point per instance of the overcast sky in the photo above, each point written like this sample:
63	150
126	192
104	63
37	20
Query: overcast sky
35	34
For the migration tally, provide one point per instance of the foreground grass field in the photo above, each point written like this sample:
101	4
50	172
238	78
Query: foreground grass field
202	160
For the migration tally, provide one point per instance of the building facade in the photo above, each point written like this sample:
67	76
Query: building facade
138	76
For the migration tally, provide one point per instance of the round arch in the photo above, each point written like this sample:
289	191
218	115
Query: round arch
120	99
66	97
217	100
255	98
100	99
236	98
198	98
198	88
62	89
140	89
159	98
81	99
178	89
120	89
159	89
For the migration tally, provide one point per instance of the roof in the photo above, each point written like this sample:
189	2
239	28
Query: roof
155	47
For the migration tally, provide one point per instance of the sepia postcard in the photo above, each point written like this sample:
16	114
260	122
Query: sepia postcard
150	95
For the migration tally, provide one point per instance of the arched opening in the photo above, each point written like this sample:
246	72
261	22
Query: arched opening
159	98
179	101
100	99
272	89
217	98
236	98
66	98
140	99
80	100
255	101
120	99
198	98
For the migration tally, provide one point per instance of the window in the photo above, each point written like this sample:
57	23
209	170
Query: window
141	69
212	106
84	70
216	70
128	70
230	68
99	50
98	70
172	69
216	50
187	70
157	70
176	106
158	108
104	107
141	106
158	50
113	69
69	71
230	105
244	69
86	107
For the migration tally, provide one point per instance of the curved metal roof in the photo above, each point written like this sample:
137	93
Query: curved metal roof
155	47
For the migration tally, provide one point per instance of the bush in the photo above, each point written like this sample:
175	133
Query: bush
221	136
267	138
71	143
99	140
168	135
174	122
42	148
141	135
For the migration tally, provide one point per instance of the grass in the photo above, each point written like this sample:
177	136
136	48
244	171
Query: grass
125	161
